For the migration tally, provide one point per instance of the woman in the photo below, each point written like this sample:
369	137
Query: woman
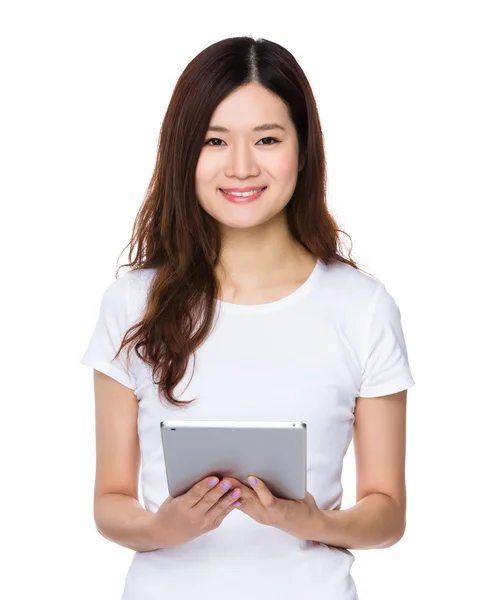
241	307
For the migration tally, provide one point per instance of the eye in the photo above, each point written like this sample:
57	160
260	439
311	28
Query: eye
207	143
269	138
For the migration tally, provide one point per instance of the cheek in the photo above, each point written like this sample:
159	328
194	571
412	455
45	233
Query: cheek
205	170
285	168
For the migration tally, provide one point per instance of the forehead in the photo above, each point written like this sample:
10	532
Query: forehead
249	107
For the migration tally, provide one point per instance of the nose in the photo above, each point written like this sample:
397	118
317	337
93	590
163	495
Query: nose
241	162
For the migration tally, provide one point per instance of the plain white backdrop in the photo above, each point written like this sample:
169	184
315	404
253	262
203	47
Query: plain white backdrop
85	87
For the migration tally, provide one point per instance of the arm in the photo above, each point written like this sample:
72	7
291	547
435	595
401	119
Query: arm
378	519
121	519
118	514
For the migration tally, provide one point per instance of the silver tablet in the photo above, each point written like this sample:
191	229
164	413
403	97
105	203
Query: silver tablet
275	451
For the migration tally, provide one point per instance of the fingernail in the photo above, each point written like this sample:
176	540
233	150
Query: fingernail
235	495
252	480
237	504
225	485
212	482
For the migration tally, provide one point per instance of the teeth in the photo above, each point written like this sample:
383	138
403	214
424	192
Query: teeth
250	193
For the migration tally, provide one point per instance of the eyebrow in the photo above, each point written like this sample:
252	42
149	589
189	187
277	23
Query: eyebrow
264	127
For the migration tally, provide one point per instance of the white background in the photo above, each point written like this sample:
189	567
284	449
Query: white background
85	88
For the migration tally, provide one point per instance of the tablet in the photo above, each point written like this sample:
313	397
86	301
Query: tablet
275	451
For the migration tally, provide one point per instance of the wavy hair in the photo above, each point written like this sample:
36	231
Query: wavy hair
175	236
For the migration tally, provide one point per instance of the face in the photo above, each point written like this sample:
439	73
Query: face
242	157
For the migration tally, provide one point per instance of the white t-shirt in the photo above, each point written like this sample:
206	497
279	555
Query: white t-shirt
305	357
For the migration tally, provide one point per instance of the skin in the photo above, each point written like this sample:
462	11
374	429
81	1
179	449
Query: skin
242	157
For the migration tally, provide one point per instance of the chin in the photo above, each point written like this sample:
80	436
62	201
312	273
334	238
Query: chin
240	223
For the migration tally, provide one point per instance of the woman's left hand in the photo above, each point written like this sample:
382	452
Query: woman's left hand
295	517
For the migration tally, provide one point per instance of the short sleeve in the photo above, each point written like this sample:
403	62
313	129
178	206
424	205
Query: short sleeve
385	358
112	324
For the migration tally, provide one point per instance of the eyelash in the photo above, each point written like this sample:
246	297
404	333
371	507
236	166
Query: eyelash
265	138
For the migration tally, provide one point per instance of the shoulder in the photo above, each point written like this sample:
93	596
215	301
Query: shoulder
128	292
138	280
133	281
354	288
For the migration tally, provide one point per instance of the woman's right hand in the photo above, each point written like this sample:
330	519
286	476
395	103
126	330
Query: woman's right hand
202	509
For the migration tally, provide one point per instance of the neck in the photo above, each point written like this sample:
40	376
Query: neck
258	256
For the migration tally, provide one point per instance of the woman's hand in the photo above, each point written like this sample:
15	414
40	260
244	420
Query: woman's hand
200	510
295	517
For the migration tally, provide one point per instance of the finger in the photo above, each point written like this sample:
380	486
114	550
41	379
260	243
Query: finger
230	508
225	504
213	498
265	496
229	498
237	483
199	491
207	492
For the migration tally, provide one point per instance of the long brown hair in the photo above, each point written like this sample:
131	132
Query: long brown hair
177	238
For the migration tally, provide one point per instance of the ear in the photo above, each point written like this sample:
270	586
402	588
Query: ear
302	162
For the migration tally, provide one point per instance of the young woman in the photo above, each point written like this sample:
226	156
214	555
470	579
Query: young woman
241	307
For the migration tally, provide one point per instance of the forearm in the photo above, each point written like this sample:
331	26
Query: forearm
122	519
376	521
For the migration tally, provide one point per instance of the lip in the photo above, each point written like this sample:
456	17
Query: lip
245	189
239	199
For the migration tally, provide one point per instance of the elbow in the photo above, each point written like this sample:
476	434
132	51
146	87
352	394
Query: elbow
397	521
401	532
396	535
401	527
97	520
101	532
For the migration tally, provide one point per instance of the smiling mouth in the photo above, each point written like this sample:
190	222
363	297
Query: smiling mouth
245	198
245	193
